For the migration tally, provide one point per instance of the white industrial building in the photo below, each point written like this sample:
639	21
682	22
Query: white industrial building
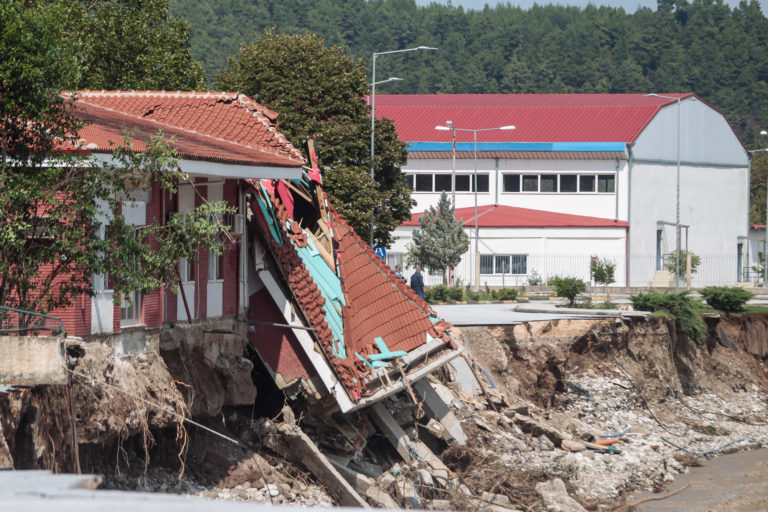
613	158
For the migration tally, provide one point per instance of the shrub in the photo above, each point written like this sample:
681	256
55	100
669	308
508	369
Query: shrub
470	295
680	305
435	293
455	293
726	299
568	287
505	294
534	279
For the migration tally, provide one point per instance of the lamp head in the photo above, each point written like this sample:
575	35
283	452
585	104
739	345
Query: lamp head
510	127
763	132
449	124
426	48
442	128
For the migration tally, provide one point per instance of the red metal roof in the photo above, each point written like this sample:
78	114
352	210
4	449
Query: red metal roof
221	127
538	117
496	216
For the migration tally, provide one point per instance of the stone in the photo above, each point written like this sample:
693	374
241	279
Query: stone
556	498
380	499
538	429
425	477
387	481
495	499
572	446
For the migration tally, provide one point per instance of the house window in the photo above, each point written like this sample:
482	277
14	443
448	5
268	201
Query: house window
606	183
586	183
511	183
130	308
549	182
423	183
462	183
567	183
482	183
442	182
215	266
186	270
394	258
504	264
409	181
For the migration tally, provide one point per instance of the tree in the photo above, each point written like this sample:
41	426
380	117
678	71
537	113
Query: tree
440	241
56	201
130	45
682	267
602	272
319	92
568	287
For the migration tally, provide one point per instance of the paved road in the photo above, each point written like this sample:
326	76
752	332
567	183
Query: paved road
493	314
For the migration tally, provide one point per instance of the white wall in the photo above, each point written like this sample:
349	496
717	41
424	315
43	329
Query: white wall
551	251
713	202
215	293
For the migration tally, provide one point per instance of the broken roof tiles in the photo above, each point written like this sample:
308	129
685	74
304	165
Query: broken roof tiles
352	305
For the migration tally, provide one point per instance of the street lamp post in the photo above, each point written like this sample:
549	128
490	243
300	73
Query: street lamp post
373	102
677	194
474	186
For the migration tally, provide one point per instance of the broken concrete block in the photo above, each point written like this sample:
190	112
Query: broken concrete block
436	408
425	477
380	499
440	505
440	477
387	481
408	492
396	436
555	497
572	446
538	429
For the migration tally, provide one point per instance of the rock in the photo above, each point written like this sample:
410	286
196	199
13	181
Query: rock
440	505
273	490
572	446
556	497
495	499
538	429
379	498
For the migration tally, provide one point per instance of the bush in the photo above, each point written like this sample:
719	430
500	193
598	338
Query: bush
470	295
723	298
442	293
505	294
568	287
534	279
680	305
455	293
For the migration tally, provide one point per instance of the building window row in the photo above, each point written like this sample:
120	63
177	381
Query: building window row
559	183
441	182
504	264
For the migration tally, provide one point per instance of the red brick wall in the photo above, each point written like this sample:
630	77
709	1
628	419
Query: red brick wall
152	303
171	301
231	258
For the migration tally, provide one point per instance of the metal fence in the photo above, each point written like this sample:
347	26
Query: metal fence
636	271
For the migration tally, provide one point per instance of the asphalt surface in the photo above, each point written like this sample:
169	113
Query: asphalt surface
500	314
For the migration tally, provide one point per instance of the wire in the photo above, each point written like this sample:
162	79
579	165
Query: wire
177	415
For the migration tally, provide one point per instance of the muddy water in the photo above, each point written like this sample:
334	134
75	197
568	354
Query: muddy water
737	482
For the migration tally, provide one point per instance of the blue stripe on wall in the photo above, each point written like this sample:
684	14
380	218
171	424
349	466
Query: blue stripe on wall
518	146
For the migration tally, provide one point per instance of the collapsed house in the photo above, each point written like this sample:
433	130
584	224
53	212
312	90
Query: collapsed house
330	322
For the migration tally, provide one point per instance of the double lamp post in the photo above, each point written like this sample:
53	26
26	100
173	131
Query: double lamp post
453	129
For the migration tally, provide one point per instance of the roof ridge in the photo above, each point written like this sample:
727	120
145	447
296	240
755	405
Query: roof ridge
270	127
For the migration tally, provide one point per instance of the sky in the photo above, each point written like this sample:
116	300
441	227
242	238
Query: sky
628	5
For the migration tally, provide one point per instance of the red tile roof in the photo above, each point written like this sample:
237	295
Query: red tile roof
538	117
497	216
220	127
379	304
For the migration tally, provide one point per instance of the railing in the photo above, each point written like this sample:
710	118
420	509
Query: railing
18	321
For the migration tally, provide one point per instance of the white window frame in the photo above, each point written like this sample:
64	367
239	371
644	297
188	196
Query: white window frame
510	263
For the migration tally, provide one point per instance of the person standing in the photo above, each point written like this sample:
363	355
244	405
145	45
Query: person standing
417	282
399	271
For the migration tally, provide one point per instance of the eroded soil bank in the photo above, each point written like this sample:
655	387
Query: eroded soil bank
666	403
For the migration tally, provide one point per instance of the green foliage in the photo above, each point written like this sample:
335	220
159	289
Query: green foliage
131	45
724	298
440	241
602	271
55	203
670	260
443	293
568	287
320	92
534	279
504	294
685	310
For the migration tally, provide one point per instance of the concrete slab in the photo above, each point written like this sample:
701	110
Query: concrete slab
436	408
32	360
